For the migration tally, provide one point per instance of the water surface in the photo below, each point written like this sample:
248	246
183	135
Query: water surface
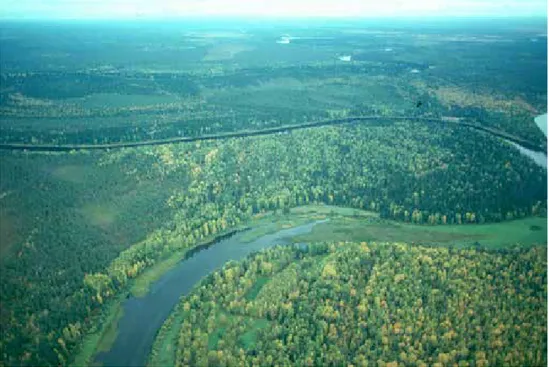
541	121
539	158
144	316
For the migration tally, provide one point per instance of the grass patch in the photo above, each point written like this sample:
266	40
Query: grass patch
271	224
495	235
215	336
525	232
142	283
101	340
249	338
332	210
225	320
258	285
223	52
100	215
165	344
267	223
71	173
109	336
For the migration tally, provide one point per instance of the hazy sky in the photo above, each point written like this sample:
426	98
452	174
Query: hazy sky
273	8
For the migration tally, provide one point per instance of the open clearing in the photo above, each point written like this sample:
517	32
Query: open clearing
99	215
355	225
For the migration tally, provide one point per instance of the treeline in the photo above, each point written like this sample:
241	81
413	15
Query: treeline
59	85
367	304
406	171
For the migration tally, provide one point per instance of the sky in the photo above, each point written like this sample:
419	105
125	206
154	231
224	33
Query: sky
107	9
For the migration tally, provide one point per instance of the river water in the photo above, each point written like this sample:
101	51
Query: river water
539	158
144	316
541	122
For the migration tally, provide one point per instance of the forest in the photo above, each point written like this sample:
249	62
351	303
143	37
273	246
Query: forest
77	229
216	81
381	304
217	185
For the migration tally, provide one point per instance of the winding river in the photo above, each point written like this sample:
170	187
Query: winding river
144	316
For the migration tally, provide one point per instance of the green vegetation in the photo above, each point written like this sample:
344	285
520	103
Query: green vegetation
108	338
233	82
141	284
216	186
258	284
165	344
267	223
390	304
99	215
249	338
518	232
80	230
101	337
213	338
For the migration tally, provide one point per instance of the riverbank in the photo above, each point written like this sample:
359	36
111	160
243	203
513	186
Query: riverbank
348	224
102	338
142	283
344	224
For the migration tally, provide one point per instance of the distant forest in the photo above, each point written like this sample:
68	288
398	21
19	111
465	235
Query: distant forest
78	227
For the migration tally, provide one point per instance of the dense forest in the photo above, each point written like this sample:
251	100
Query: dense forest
213	186
77	228
367	304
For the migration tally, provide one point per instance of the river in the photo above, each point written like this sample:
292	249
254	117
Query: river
143	316
538	157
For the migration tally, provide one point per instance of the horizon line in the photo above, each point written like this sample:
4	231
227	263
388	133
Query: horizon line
262	17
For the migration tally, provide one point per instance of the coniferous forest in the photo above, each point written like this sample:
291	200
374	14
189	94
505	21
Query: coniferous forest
383	242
